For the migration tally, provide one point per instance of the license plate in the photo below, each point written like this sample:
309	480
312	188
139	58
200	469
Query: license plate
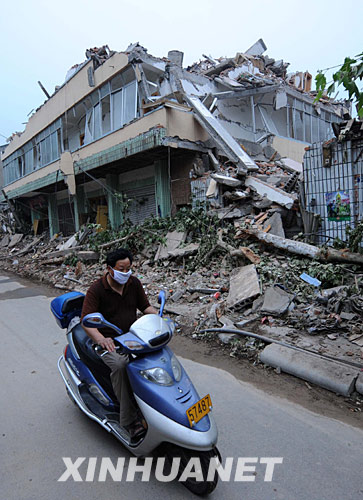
199	410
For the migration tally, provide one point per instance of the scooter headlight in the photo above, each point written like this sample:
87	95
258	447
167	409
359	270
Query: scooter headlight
176	367
157	375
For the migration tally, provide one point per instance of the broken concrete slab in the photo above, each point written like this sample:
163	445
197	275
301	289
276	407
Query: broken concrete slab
5	241
276	301
184	251
188	310
347	316
244	286
227	213
70	243
212	191
359	384
178	294
29	246
194	296
61	253
15	239
227	181
274	180
220	135
226	338
292	165
173	240
358	341
88	255
257	49
325	373
275	223
226	322
269	151
236	195
257	303
272	193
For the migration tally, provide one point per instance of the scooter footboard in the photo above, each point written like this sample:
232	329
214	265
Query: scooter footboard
162	428
72	383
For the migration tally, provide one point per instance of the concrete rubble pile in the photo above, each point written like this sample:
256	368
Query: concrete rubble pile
249	287
244	264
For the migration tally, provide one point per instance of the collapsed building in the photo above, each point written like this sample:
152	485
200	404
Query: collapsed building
133	135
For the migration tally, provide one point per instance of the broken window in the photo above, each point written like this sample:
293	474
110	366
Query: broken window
88	132
110	107
103	111
307	122
104	90
129	102
28	157
116	110
299	125
97	122
106	115
45	151
117	82
36	156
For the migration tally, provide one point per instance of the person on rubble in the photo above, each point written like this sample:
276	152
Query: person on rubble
117	296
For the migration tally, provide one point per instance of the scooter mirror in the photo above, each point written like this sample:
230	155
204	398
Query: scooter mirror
94	320
161	300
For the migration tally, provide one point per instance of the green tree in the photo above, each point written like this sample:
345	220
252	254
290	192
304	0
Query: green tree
349	75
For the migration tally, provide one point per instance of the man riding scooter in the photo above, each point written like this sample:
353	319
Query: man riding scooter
117	296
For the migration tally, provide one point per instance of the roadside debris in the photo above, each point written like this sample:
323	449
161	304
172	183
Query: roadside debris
244	286
220	284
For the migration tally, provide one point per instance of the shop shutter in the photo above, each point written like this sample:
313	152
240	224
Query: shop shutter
142	204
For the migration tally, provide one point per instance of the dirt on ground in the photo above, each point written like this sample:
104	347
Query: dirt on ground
313	398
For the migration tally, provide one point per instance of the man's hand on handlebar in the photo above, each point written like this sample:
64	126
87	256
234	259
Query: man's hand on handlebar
107	343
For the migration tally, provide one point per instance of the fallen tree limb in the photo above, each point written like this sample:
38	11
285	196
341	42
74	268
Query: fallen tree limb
300	248
110	243
237	252
49	262
60	253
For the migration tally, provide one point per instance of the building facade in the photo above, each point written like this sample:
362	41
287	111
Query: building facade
122	135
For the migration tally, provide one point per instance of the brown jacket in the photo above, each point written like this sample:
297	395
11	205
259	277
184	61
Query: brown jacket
117	309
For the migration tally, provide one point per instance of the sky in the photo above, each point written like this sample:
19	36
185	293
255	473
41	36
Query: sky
41	39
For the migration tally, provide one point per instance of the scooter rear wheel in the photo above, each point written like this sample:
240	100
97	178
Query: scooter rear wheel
200	488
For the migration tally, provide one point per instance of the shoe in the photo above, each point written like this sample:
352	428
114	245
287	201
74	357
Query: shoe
135	429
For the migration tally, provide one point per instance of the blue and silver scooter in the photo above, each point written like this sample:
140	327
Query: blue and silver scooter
178	423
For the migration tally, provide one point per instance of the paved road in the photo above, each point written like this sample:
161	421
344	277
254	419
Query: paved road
322	458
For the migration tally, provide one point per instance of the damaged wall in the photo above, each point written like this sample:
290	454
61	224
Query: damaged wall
66	97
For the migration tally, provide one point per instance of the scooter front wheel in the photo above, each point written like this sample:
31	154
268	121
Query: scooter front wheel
196	486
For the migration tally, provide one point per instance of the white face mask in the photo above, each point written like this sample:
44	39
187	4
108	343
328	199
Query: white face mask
120	277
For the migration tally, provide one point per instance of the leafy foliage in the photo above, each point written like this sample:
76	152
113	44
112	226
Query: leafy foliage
199	225
354	241
289	275
355	238
348	75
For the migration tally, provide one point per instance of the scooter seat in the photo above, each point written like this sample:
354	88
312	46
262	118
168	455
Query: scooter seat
91	359
84	342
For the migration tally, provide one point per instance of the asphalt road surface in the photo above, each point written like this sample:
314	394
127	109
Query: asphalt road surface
322	457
